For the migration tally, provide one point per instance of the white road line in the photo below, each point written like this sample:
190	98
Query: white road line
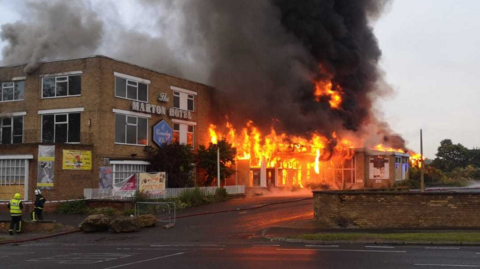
321	246
446	248
157	258
342	250
379	247
448	265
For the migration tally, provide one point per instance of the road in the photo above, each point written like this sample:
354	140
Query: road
226	240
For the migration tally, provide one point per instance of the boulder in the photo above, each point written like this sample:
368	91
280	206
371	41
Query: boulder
147	220
125	225
95	223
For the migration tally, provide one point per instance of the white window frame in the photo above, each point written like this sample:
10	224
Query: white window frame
131	115
60	77
186	97
352	170
191	97
135	81
176	94
179	131
11	127
13	88
129	168
55	124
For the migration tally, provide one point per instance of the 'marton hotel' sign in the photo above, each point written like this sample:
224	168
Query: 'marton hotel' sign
161	110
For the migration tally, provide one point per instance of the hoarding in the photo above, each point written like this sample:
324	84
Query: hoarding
153	184
46	167
77	160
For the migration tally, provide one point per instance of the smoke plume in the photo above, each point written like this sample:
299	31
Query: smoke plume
263	57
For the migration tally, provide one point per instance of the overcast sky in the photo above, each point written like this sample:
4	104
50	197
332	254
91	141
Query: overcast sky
431	58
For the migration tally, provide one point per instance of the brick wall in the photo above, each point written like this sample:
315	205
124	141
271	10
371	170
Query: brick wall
374	210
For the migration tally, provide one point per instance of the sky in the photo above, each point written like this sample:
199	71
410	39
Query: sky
431	59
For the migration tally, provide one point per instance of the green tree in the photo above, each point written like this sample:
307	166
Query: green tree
176	160
451	156
207	161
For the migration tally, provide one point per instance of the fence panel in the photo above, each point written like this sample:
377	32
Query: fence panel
164	212
169	193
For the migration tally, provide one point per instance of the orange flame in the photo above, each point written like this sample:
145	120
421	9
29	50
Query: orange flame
325	88
317	162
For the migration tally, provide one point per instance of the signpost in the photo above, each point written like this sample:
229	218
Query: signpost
162	133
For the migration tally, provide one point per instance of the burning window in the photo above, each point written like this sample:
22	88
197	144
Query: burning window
12	91
61	86
11	130
131	89
61	128
176	132
131	130
184	134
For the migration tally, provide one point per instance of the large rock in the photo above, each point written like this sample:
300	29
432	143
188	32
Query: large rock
147	220
95	223
125	225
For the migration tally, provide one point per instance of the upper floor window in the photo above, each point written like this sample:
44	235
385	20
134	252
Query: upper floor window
12	91
184	134
183	99
11	130
61	128
131	88
61	86
131	130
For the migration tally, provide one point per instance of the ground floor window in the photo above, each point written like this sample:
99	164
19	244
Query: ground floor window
123	171
13	171
345	172
61	128
11	130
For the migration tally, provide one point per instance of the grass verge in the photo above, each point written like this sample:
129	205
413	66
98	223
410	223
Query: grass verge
454	237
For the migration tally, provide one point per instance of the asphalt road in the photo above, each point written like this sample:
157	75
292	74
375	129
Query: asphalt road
226	240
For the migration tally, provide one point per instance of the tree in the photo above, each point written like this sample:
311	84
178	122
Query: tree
451	156
207	161
176	160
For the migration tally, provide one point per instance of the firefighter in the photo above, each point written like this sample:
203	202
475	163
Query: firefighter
37	213
15	205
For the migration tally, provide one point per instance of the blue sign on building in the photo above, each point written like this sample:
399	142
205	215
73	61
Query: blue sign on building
162	133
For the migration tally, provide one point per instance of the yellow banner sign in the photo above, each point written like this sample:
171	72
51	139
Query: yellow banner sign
77	160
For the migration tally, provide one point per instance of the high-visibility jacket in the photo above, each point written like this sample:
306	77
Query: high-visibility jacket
15	207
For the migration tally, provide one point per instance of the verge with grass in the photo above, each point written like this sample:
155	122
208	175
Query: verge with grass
454	237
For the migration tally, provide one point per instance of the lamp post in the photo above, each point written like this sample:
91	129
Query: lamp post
422	181
218	166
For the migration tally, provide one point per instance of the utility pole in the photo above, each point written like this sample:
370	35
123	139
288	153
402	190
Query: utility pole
422	181
218	166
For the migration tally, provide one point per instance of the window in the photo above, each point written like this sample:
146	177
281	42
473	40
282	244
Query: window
11	130
183	101
190	135
131	89
61	86
12	171
131	130
346	172
176	133
12	91
123	171
61	128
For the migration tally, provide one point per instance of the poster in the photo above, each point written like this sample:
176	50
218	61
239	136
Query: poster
152	183
129	184
106	179
77	160
46	167
379	167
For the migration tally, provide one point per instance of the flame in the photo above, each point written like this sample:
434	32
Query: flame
325	88
380	147
213	134
416	159
317	162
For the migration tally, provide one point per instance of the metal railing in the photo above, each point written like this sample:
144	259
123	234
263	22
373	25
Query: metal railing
104	194
164	212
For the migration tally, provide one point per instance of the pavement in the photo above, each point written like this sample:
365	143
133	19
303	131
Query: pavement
232	239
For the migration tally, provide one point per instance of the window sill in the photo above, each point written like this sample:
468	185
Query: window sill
56	97
10	101
135	145
125	98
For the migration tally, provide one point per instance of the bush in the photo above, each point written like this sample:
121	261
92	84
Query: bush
128	212
193	197
74	207
107	211
409	184
220	195
141	197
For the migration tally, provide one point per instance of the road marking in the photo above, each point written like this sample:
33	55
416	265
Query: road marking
321	246
266	245
446	248
82	258
448	265
342	250
157	258
379	247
